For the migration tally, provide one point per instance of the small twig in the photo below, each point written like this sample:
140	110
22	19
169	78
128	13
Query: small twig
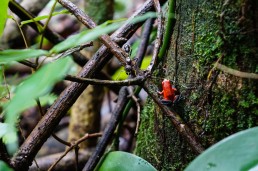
74	145
72	50
132	81
67	163
22	34
236	72
157	45
136	100
29	64
76	153
178	123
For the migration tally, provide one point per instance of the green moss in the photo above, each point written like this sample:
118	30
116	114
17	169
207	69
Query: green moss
213	108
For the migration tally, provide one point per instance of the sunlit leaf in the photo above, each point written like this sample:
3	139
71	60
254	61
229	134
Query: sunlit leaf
3	14
90	35
37	85
236	152
20	54
123	161
4	166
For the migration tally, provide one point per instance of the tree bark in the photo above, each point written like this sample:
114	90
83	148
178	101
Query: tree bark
215	104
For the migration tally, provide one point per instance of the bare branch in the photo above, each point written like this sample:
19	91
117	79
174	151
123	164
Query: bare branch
134	81
236	72
66	164
73	145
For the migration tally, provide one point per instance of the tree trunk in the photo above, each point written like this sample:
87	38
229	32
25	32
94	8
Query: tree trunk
215	103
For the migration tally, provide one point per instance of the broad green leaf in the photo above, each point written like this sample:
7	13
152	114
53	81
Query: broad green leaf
18	55
3	14
37	85
43	17
92	34
123	161
236	152
4	166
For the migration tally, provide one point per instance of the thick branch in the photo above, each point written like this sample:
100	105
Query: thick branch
43	130
178	123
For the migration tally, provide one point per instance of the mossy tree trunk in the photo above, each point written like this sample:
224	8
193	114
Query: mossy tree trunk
216	104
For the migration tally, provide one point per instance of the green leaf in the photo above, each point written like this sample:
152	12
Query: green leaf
37	85
90	35
4	166
3	14
18	55
122	161
236	152
43	17
83	37
4	127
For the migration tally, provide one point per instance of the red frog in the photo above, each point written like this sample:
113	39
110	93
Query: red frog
168	92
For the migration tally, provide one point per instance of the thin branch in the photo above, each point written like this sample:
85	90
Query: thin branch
144	41
67	163
136	101
28	64
73	145
133	81
236	72
178	123
157	45
28	150
88	22
109	130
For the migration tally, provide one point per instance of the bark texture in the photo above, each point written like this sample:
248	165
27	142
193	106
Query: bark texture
215	104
